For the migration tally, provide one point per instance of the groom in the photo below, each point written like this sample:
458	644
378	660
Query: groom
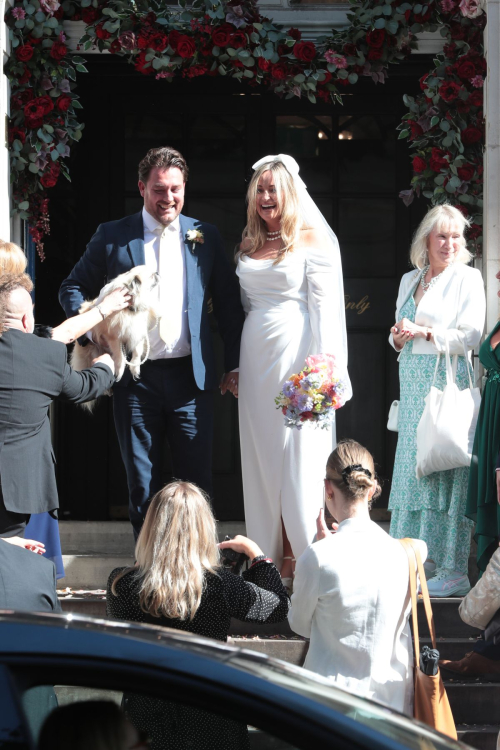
174	396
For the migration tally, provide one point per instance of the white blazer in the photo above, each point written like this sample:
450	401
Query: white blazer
455	308
351	598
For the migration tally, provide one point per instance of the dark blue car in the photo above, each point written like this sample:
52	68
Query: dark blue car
49	659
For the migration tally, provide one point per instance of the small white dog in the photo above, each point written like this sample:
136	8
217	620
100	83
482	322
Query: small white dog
126	332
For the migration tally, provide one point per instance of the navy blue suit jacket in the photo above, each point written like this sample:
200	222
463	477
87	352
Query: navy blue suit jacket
118	246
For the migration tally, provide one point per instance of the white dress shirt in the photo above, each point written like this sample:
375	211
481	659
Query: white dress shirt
167	257
351	598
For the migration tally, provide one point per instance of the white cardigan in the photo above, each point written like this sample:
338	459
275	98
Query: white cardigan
454	308
351	598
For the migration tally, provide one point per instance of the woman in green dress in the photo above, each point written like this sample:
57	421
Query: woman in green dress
482	496
441	301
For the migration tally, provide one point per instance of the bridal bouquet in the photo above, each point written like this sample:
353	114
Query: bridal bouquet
313	394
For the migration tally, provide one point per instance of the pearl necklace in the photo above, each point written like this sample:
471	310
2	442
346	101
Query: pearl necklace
428	285
271	236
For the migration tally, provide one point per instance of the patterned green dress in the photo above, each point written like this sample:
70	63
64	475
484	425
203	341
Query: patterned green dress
431	508
482	505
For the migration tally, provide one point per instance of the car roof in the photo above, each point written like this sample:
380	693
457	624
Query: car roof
73	635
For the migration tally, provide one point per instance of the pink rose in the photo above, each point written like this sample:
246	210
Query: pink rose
470	8
50	6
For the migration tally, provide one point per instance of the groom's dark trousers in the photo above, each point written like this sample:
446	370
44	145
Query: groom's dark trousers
173	398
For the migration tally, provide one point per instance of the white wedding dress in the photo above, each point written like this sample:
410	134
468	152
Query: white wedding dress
293	310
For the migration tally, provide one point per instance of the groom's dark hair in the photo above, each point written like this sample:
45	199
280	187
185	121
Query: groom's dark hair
163	158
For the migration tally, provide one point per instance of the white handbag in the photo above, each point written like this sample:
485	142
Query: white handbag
392	420
445	433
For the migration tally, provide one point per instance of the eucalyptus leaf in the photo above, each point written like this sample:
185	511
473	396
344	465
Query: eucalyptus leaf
447	142
222	70
311	97
444	125
434	121
403	134
380	23
30	9
392	26
248	73
455	181
300	78
352	77
449	188
24	206
439	179
54	155
33	168
81	68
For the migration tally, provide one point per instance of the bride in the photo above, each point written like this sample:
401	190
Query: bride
292	290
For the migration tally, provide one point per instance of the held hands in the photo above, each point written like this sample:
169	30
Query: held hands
322	529
405	330
241	543
31	544
115	301
229	383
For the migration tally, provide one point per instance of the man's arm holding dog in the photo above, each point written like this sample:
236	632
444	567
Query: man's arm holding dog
87	277
86	385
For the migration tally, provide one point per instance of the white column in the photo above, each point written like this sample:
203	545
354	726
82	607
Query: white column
491	252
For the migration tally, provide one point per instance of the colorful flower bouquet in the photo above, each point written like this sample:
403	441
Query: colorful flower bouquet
313	394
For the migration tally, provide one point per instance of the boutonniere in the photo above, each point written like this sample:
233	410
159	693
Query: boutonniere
194	235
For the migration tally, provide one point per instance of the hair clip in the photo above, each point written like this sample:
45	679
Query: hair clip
354	467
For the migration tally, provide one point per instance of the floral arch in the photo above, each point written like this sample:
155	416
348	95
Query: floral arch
444	124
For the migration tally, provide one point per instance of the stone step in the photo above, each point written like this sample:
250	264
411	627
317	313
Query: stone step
474	702
91	571
482	737
115	537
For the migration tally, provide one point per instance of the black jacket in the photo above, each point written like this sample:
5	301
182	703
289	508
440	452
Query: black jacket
27	581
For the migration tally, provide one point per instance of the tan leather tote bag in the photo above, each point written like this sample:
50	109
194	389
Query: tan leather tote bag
431	704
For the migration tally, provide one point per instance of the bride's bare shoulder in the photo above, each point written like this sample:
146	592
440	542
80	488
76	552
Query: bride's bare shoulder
311	238
245	245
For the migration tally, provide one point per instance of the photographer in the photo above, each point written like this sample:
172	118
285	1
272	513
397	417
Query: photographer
179	582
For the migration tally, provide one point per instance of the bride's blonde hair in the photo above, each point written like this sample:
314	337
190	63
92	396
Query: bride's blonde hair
255	232
177	546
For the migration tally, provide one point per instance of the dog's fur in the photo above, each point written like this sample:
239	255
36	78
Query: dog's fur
124	334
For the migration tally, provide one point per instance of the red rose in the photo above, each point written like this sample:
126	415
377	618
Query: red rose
449	91
323	94
375	38
466	70
471	135
89	15
236	63
158	41
263	63
150	18
46	102
295	34
415	129
173	38
450	49
466	172
423	82
327	78
58	51
143	40
222	34
101	32
186	46
238	39
279	71
34	124
16	134
194	70
375	53
33	111
141	63
25	76
437	160
63	102
350	50
207	48
24	52
50	178
341	82
422	17
115	47
419	165
476	98
305	51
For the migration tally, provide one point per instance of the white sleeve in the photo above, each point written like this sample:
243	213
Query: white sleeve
470	317
326	304
305	593
399	303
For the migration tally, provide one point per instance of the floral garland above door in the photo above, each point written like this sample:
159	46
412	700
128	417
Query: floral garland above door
230	38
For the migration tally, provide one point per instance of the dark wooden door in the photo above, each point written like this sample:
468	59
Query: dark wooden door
354	167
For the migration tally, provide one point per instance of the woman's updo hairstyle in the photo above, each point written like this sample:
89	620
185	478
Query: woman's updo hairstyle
351	469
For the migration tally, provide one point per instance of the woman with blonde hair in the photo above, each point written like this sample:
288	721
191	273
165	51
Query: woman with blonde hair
440	303
42	530
351	590
290	274
178	581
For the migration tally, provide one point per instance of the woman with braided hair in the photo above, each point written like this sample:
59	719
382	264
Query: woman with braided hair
351	590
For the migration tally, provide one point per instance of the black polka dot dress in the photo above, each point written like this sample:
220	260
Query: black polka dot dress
257	596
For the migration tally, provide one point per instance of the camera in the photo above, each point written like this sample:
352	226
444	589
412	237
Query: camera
231	559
